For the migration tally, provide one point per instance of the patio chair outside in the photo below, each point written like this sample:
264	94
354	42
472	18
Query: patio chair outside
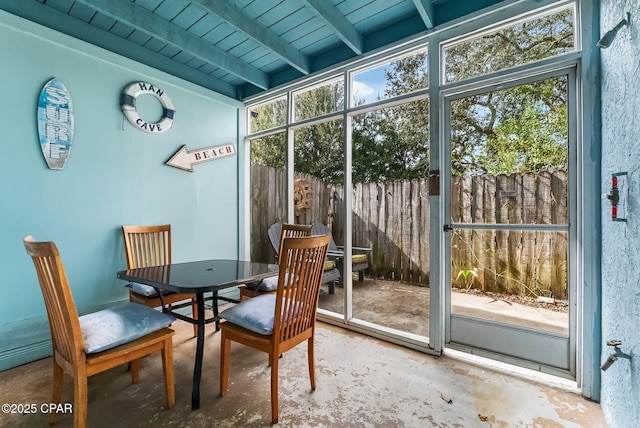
146	246
277	323
87	345
358	261
269	285
330	274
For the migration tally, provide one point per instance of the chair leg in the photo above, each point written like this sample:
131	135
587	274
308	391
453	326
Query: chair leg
58	381
361	275
312	368
274	388
194	308
80	397
225	352
134	365
167	369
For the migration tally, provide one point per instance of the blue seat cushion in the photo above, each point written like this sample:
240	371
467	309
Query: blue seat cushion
267	284
254	314
111	327
145	290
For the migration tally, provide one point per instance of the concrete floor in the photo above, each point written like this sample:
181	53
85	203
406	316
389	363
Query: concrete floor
361	382
405	307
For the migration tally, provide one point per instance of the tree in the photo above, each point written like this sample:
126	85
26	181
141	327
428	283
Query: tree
270	150
391	143
519	129
533	135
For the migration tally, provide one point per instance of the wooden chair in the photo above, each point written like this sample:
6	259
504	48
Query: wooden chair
276	323
269	285
277	233
151	246
84	346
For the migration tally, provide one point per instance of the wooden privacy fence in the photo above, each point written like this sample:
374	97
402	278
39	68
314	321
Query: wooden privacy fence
392	218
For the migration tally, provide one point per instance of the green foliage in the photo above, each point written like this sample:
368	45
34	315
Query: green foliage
519	129
511	46
391	143
268	115
467	277
318	151
319	101
270	151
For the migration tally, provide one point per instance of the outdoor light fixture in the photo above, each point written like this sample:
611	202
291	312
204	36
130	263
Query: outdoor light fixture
610	35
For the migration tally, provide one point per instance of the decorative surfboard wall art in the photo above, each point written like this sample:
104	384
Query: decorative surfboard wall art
128	107
55	123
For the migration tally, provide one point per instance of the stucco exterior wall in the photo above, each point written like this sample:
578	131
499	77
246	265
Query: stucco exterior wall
620	394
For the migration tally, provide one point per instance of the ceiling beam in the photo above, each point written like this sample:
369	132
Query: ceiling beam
425	9
262	35
143	20
46	16
339	23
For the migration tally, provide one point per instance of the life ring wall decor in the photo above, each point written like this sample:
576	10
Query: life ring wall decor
128	106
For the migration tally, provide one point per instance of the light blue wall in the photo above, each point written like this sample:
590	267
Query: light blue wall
620	394
115	175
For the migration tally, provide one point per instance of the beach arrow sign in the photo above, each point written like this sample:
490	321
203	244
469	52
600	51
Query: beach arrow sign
184	159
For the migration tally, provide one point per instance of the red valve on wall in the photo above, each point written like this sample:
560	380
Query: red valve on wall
615	196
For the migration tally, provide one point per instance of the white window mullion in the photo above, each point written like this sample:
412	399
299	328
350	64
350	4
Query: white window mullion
347	277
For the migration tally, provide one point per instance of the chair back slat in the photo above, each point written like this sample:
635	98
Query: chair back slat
279	231
301	265
66	335
292	231
147	246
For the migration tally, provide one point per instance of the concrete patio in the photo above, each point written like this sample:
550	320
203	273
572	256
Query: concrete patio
405	307
361	382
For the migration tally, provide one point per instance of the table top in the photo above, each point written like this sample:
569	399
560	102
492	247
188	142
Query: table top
200	276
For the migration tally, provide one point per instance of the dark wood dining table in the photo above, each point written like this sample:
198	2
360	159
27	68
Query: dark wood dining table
198	278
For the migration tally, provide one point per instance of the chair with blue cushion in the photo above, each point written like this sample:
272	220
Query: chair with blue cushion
276	323
147	246
90	344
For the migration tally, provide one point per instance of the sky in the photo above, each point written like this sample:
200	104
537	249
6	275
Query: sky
369	84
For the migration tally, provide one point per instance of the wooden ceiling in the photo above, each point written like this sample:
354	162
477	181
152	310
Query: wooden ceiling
241	47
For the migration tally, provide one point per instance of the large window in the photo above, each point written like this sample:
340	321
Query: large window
310	140
268	193
389	154
518	43
269	115
399	76
318	101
